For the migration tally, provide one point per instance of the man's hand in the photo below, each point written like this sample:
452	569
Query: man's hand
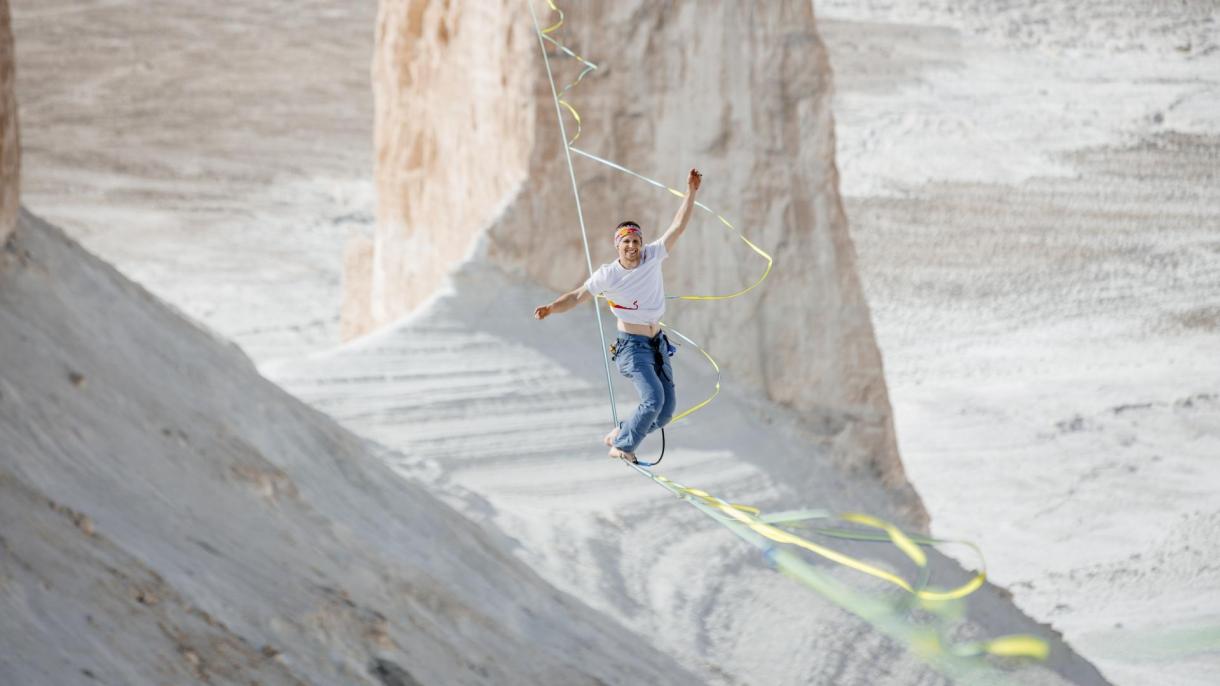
693	181
563	303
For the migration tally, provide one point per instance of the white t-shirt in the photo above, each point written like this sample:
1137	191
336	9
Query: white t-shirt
637	296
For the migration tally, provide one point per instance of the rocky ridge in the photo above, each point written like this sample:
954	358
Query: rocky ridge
10	152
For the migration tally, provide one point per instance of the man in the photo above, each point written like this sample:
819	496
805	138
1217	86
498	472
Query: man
635	289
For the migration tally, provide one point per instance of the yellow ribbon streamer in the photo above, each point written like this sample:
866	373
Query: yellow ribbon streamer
753	519
762	253
690	410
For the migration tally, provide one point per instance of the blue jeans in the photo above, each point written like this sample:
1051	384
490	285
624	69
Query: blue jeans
645	361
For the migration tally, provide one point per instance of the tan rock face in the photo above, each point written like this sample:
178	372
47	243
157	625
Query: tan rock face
468	145
357	285
455	99
10	151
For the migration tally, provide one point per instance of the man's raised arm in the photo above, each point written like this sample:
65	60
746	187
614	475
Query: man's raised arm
683	216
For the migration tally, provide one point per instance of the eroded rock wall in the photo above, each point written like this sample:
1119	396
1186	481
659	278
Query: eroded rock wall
10	151
468	147
455	97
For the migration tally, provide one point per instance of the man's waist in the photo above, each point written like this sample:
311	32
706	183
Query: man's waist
647	330
649	339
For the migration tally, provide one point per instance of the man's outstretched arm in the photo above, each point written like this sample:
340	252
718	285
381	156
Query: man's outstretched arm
563	303
683	216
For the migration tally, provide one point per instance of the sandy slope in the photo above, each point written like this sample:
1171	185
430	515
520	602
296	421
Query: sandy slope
1033	193
169	516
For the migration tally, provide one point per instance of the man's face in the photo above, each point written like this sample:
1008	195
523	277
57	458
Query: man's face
629	249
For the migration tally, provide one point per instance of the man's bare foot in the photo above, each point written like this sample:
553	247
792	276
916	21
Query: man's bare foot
609	439
622	455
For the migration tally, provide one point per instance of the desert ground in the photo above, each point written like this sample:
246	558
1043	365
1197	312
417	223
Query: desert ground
1033	193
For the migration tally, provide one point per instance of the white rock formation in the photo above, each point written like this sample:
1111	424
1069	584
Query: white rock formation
468	149
10	150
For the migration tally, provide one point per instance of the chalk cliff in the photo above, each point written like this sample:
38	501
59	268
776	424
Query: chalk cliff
10	151
468	153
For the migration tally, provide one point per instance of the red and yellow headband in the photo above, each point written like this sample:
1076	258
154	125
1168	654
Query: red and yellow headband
623	231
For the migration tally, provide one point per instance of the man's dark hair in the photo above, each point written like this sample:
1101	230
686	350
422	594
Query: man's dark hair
622	224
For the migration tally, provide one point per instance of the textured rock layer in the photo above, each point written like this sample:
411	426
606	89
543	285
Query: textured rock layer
468	150
10	150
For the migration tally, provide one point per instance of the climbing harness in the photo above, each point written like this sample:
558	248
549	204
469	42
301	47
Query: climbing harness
774	534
